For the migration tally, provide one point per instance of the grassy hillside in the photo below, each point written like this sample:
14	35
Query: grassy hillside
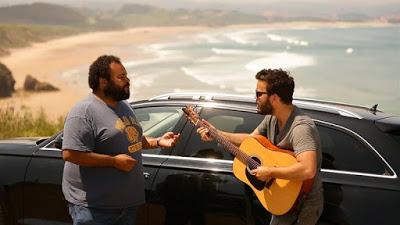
143	15
13	36
21	25
42	13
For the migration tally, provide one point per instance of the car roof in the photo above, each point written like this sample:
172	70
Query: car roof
347	110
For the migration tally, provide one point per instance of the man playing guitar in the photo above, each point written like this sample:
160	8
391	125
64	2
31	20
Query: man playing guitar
287	127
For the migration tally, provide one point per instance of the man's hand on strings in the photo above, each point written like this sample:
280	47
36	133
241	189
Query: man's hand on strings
204	131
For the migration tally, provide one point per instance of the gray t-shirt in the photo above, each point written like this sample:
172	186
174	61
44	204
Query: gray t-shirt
298	135
93	126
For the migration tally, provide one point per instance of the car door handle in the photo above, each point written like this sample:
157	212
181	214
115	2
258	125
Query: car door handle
146	175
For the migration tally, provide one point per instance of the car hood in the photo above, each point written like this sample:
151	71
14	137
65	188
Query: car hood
18	146
23	141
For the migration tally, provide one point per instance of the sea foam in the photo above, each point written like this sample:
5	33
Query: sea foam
282	60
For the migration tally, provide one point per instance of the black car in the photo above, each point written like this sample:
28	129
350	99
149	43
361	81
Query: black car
193	182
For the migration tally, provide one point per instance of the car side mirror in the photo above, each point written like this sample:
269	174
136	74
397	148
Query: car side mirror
143	117
58	141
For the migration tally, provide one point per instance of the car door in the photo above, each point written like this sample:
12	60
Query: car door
44	202
156	120
14	159
195	185
360	187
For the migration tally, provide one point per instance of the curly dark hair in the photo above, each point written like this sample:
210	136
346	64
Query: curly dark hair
279	82
101	68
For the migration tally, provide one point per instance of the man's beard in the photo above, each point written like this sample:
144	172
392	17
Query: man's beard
115	92
265	109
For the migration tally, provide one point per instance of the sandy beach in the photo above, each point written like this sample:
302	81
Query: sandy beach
47	60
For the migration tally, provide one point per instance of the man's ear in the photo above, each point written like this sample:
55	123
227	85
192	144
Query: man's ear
275	98
102	82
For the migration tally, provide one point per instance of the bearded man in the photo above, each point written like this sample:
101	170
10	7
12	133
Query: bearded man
102	145
287	127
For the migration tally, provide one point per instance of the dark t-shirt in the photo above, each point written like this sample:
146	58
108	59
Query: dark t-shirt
93	126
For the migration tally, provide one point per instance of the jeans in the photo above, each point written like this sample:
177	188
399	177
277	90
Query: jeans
307	214
82	215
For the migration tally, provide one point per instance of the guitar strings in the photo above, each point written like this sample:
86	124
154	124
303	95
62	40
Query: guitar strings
227	144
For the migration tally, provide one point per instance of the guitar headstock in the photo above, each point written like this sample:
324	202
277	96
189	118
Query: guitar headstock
191	114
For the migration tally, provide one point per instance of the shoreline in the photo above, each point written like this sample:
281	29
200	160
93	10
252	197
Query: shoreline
80	50
318	24
47	60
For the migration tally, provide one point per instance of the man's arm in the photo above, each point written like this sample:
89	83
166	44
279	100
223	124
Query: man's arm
168	140
235	138
149	142
305	144
305	168
121	162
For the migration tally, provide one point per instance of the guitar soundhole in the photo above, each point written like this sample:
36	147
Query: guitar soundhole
259	185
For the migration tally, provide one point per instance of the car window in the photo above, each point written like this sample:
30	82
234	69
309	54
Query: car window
155	121
346	152
56	141
226	120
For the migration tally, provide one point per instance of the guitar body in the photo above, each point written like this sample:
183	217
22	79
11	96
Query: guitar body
276	195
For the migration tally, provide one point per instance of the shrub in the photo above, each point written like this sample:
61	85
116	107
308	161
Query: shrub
24	123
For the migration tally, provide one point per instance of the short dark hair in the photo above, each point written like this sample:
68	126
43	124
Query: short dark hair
279	82
101	68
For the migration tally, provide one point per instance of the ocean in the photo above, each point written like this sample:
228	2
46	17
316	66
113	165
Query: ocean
358	65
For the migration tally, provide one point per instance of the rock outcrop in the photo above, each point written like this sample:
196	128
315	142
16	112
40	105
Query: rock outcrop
4	52
32	84
7	81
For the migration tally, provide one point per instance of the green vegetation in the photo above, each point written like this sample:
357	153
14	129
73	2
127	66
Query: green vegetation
23	123
42	13
133	15
16	35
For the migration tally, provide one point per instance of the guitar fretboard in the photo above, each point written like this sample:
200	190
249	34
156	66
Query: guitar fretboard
233	149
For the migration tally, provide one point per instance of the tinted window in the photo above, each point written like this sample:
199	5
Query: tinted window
396	137
156	121
56	142
226	120
343	151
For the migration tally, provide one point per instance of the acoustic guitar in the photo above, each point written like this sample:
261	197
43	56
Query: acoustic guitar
276	195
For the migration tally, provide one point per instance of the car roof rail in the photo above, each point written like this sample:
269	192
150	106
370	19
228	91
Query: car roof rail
325	106
205	97
327	102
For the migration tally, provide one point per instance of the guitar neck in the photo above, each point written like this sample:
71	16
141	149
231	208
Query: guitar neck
233	149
